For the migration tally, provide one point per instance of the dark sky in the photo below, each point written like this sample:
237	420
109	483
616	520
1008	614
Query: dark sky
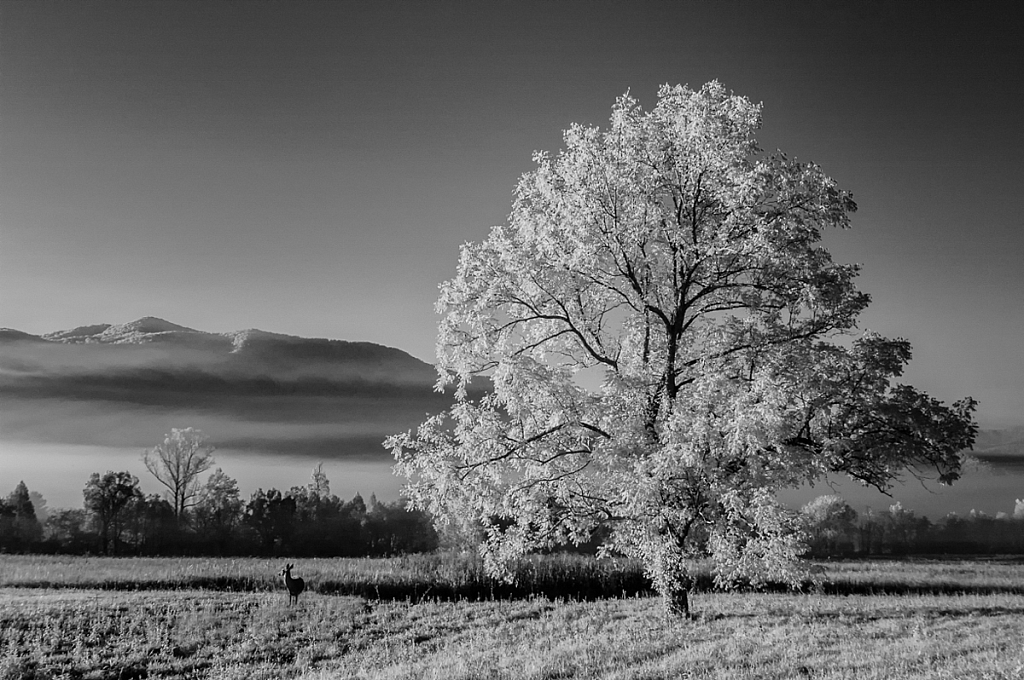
312	167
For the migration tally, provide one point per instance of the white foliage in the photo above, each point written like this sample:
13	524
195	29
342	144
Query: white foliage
667	252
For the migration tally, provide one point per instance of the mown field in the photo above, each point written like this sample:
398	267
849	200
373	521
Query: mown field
433	618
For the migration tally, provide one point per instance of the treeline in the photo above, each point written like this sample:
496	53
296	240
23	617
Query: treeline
837	530
310	521
118	519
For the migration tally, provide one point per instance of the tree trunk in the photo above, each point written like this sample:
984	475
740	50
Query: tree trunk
677	603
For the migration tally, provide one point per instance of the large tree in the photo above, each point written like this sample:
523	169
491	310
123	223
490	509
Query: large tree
667	345
177	464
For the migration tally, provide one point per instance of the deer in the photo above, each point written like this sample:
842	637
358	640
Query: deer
294	585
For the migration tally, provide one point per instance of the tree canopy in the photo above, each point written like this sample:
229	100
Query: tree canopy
106	498
177	463
667	344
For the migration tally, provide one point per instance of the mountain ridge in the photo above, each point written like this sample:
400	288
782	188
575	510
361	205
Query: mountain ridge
125	384
154	329
248	349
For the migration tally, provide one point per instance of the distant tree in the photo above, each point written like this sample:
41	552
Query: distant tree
272	516
902	529
831	525
394	529
218	511
106	497
323	527
66	531
344	526
7	532
151	527
669	260
177	464
40	506
319	484
21	500
19	528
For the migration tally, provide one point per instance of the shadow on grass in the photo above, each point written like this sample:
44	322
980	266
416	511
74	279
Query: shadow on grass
453	577
898	588
628	585
610	586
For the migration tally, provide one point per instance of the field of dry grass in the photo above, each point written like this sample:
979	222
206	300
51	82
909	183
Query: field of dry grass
461	577
78	628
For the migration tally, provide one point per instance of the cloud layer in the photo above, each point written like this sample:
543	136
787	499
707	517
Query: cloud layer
248	390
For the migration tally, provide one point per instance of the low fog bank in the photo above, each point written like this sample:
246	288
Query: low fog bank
59	472
127	386
331	429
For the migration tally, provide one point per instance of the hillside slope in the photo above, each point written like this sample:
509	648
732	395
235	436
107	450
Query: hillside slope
126	384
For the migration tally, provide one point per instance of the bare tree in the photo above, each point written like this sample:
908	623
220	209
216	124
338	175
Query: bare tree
177	464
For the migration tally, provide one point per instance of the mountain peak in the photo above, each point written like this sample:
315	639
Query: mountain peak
77	334
252	347
241	339
149	324
141	330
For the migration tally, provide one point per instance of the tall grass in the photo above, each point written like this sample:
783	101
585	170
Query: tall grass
451	576
443	576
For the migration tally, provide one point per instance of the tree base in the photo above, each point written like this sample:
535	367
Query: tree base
677	603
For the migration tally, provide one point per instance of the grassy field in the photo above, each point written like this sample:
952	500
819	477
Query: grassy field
461	577
162	625
416	577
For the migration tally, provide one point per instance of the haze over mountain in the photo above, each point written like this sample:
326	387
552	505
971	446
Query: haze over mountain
245	352
126	384
78	401
996	446
105	384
